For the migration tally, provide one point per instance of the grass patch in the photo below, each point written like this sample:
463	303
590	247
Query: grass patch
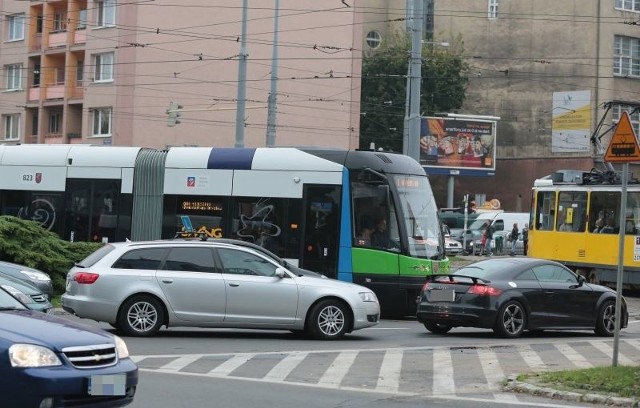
623	381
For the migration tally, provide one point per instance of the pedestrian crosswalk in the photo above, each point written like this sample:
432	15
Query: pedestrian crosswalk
423	371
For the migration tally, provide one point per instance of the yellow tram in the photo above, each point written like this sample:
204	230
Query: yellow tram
575	219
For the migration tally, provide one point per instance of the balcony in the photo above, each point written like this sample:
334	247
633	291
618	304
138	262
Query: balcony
36	43
53	138
80	37
54	91
33	94
57	39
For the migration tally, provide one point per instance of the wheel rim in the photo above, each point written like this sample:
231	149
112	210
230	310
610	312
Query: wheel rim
609	318
142	316
513	319
331	320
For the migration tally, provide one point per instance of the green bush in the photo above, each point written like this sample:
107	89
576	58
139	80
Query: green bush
27	243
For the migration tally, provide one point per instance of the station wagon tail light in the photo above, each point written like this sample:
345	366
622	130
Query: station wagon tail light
484	290
86	278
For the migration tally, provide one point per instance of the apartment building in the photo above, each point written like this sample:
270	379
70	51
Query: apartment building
106	72
522	54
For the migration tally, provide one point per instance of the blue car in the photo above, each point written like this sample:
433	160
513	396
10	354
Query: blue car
48	362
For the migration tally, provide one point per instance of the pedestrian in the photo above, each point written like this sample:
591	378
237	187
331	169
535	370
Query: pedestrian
525	238
514	238
488	233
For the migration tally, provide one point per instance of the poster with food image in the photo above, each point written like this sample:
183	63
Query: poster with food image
461	144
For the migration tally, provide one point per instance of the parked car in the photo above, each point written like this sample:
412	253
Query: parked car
451	246
36	277
47	361
514	294
25	292
138	287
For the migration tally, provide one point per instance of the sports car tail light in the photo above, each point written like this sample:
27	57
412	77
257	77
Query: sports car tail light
484	290
86	278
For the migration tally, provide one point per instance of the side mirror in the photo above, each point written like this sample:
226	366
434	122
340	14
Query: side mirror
581	280
280	273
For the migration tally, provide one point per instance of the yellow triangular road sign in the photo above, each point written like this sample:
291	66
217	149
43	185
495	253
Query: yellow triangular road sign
623	147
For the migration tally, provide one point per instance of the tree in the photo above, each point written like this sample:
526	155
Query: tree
384	88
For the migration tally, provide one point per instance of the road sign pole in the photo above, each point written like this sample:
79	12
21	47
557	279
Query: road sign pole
623	211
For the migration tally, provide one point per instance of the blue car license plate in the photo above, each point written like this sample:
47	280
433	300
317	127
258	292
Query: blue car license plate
442	295
114	384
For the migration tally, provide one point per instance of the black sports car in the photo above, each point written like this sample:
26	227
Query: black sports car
514	294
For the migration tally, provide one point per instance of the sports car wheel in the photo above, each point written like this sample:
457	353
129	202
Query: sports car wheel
606	323
511	321
328	320
140	316
437	328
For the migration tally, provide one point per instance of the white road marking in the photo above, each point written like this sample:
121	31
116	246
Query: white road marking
338	370
230	365
389	374
608	350
572	355
443	383
494	374
285	366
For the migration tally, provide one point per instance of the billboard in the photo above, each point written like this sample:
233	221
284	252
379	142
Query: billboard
571	122
458	146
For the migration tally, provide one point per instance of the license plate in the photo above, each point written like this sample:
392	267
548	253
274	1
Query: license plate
442	295
114	384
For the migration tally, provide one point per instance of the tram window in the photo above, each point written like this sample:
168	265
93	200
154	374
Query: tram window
545	210
572	214
632	215
603	212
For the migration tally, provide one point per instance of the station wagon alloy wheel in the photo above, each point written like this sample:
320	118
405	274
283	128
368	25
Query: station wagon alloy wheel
329	320
141	316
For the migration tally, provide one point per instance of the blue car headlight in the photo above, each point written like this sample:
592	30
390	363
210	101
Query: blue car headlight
121	347
31	355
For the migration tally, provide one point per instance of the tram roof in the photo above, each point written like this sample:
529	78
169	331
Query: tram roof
68	155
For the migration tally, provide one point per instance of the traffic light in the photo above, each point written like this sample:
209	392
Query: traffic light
174	113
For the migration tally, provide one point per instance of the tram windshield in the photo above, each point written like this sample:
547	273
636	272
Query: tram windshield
420	216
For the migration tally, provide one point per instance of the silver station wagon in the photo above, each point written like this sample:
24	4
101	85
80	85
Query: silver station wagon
137	287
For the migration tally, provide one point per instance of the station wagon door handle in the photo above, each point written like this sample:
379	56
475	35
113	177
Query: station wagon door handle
166	280
234	284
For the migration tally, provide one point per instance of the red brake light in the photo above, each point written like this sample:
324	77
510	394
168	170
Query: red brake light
484	290
86	278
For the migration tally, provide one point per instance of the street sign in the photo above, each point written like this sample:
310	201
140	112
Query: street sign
623	147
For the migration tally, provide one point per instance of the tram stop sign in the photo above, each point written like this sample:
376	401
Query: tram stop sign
623	147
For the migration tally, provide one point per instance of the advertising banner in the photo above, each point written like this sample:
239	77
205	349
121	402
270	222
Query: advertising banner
571	122
458	146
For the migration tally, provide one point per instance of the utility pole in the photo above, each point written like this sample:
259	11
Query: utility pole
412	147
271	115
242	79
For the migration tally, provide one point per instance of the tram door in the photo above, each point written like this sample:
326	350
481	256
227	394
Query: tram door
92	210
321	229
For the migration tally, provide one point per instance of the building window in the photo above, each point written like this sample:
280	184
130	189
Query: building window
634	115
103	67
59	22
374	39
493	8
626	56
631	5
80	71
82	19
106	13
34	124
11	126
13	74
39	24
55	119
36	75
102	122
15	27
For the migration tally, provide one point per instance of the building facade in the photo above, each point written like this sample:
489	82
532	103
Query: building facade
527	60
106	72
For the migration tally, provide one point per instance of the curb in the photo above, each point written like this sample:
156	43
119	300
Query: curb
514	385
